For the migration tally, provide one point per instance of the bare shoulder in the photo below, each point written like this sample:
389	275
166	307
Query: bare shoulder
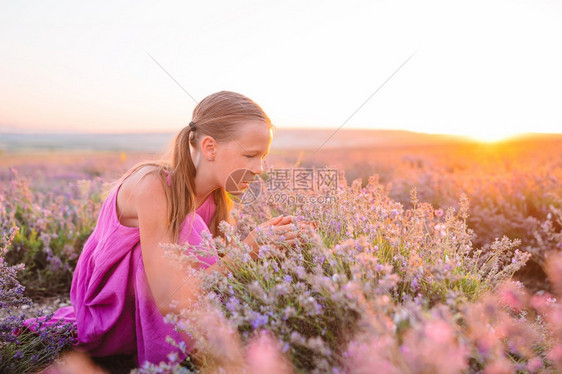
141	191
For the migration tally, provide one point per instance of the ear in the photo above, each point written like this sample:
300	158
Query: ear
209	147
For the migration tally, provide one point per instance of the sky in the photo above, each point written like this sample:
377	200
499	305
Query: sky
482	68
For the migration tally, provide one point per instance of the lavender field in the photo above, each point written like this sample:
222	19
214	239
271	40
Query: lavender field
427	256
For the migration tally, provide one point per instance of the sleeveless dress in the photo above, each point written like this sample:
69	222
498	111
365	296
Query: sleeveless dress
112	305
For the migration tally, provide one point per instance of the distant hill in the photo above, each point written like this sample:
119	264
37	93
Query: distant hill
309	139
353	138
141	142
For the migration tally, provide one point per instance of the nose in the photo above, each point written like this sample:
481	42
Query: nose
257	168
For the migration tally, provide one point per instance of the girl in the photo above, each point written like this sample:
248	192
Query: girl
123	284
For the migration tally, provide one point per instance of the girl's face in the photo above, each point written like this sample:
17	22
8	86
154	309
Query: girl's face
241	159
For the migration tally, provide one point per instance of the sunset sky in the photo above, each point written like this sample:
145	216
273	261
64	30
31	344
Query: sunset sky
483	68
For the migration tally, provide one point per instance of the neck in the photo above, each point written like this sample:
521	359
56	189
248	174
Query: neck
201	197
203	187
204	182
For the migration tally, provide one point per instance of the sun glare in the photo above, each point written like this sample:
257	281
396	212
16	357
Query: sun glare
491	136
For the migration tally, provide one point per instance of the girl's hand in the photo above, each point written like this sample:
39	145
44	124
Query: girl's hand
302	225
276	229
286	231
252	238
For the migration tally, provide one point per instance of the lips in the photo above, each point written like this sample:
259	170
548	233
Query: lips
239	181
249	181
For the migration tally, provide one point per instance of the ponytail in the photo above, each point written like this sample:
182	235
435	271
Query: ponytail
181	199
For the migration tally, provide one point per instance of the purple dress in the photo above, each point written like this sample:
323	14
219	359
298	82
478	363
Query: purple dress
112	305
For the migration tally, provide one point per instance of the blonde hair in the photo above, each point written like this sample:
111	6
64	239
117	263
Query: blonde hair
219	115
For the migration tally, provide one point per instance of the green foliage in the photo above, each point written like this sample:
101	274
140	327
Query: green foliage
53	227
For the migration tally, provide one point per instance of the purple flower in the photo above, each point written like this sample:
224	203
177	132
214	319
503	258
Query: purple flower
258	320
182	346
18	355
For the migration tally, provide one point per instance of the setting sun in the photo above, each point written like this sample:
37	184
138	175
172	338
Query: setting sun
495	135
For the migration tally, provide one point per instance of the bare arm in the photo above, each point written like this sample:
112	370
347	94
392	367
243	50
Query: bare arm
164	278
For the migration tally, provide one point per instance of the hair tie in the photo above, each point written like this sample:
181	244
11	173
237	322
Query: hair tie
192	125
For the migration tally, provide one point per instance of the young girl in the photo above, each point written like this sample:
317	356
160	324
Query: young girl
123	284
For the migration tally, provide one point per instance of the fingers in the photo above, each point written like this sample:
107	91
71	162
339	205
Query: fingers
289	235
287	219
286	234
276	220
272	221
282	229
286	229
302	224
281	220
283	232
